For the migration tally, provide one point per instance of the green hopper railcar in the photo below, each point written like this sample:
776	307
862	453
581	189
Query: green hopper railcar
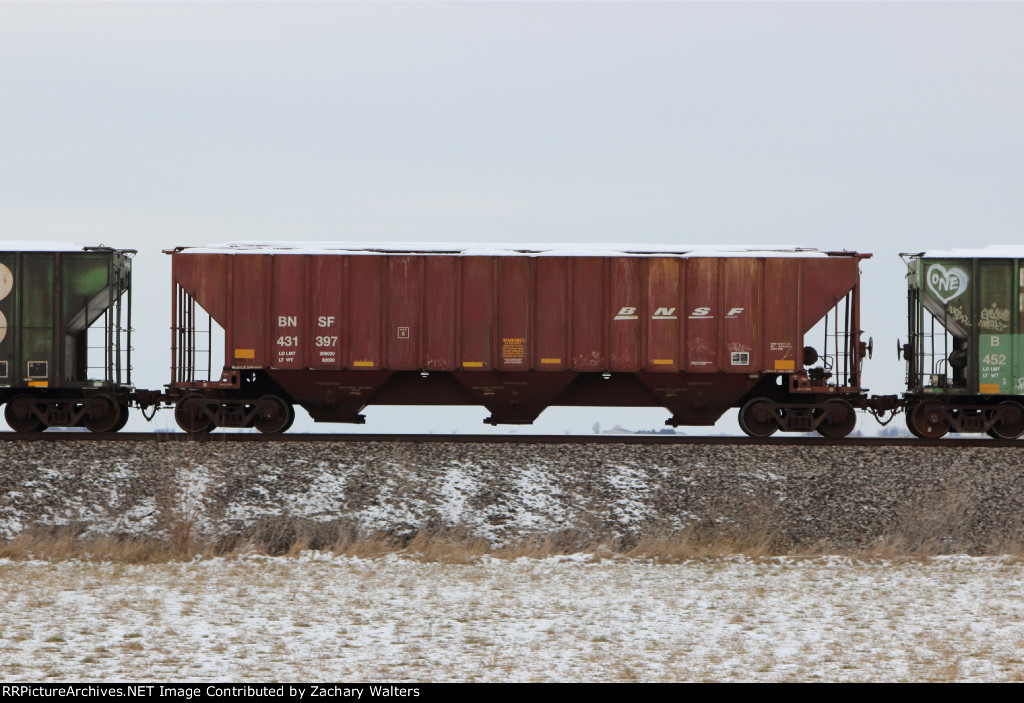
965	353
65	326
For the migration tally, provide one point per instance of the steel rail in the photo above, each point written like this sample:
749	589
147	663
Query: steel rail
791	441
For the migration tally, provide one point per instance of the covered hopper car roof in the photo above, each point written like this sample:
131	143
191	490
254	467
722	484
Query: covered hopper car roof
996	251
55	247
486	249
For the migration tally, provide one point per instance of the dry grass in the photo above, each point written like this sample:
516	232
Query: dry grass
59	544
693	544
281	537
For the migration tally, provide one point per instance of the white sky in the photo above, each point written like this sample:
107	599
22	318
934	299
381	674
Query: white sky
880	127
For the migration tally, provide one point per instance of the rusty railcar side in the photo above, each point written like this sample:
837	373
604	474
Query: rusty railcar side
694	331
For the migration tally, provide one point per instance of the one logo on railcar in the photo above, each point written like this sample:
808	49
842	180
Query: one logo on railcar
6	284
946	284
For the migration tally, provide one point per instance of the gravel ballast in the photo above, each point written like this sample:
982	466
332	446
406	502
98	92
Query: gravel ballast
950	500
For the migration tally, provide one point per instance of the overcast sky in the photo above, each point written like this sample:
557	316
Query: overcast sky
880	127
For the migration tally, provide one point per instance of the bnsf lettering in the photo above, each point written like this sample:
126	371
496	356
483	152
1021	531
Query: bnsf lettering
287	321
705	312
629	313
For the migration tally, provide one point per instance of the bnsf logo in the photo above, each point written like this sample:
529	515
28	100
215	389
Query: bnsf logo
293	321
702	313
705	314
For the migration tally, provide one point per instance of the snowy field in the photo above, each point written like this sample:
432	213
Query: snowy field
322	618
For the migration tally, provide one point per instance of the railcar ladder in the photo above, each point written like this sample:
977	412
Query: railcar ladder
186	352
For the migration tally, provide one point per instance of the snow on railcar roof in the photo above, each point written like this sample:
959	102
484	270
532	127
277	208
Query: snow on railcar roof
995	251
36	245
485	249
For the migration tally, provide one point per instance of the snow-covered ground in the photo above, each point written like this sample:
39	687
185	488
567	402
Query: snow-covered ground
582	618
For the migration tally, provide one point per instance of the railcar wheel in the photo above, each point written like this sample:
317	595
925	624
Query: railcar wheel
757	418
910	423
102	415
124	418
840	419
274	415
1012	426
190	414
291	418
927	420
20	415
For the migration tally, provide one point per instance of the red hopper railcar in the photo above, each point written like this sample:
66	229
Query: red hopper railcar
337	327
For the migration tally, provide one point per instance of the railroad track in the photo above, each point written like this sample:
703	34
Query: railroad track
948	442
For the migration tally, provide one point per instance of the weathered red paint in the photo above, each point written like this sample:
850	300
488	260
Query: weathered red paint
516	333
